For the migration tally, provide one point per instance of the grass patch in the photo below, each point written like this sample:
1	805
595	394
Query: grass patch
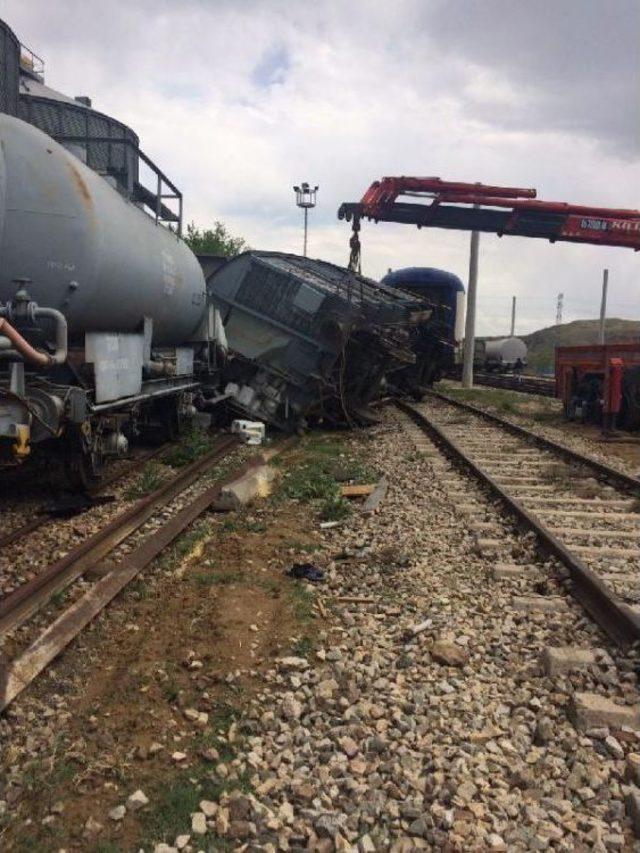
498	399
179	796
138	589
308	482
58	597
174	802
150	480
188	541
230	525
335	508
317	478
303	647
301	601
193	444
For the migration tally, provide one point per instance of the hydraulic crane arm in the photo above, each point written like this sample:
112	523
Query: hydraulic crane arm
498	210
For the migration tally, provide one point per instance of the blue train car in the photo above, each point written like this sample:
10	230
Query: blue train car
434	341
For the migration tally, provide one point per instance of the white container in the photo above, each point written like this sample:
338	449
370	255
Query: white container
252	432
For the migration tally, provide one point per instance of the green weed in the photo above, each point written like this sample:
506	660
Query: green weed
151	479
193	443
58	598
334	508
303	647
308	482
302	601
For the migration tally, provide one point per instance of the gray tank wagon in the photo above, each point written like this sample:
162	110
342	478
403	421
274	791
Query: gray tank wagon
103	309
310	341
504	355
87	250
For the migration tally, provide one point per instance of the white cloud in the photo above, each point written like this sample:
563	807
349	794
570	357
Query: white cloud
239	101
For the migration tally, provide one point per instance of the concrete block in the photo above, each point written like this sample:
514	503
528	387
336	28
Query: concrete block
590	710
509	570
539	603
255	483
556	660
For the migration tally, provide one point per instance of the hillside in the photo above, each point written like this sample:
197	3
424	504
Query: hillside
542	343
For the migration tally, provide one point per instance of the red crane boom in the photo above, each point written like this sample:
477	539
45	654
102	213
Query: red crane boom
498	210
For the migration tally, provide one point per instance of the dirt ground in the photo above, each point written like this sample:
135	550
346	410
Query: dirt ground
193	633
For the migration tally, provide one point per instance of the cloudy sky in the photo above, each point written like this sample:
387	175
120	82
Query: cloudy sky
237	101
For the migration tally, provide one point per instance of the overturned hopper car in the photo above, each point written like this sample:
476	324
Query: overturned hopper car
309	341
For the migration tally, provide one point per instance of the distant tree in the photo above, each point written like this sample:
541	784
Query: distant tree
214	241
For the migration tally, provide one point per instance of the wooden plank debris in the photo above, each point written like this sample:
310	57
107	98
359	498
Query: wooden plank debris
357	491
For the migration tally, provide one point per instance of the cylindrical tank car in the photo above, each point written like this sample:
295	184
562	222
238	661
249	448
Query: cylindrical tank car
102	307
505	355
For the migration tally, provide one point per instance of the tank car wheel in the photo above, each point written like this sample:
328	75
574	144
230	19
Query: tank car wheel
84	468
173	422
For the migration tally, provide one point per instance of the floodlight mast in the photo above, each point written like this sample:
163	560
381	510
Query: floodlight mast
305	199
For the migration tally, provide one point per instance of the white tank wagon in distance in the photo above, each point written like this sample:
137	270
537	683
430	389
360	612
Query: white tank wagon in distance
503	355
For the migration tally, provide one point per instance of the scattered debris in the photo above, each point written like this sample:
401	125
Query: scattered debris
357	491
376	497
305	571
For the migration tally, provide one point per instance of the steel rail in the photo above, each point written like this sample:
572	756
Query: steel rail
16	675
43	518
612	474
615	618
19	605
524	384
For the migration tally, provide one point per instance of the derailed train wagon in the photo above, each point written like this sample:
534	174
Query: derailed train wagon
309	341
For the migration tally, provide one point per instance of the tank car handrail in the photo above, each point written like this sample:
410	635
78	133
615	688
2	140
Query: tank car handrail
160	211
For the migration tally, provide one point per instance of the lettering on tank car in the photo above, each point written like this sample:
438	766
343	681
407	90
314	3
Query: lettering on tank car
65	266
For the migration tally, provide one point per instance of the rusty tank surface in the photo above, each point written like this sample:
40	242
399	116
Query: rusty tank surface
88	251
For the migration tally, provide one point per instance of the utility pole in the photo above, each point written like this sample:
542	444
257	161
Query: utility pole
559	309
513	316
603	303
470	322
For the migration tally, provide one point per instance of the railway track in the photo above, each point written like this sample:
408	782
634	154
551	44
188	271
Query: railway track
538	385
583	513
130	541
